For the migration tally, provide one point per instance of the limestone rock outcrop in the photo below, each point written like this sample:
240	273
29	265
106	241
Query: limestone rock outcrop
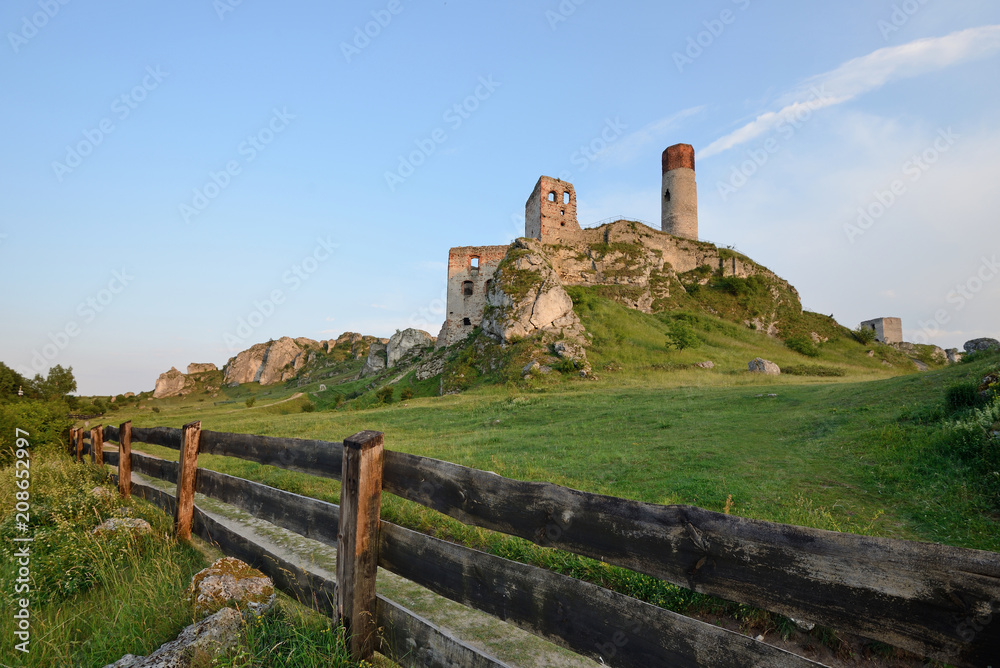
761	365
269	363
401	343
172	383
197	645
376	362
116	524
976	345
526	297
197	367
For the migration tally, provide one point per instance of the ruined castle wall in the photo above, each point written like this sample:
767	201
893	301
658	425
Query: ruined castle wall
887	330
550	212
469	270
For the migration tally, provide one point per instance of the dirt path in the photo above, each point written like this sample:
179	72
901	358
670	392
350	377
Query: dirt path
291	398
504	641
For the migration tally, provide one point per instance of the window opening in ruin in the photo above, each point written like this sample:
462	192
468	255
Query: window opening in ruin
562	212
467	288
466	322
562	224
566	198
552	196
666	195
488	284
474	264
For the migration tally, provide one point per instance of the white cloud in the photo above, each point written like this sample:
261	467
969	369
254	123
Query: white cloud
864	74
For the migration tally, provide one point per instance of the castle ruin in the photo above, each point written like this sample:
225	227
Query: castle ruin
550	215
887	330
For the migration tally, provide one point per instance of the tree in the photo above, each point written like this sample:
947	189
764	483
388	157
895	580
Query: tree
11	381
60	382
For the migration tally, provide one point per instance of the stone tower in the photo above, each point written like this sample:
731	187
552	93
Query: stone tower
679	201
550	212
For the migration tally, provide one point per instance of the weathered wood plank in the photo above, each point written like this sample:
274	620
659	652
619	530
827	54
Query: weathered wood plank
911	595
305	516
187	479
357	541
154	467
168	437
79	444
97	446
124	438
111	433
411	640
320	458
609	627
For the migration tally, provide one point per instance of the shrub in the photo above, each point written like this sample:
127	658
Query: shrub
406	393
803	344
961	396
156	409
384	394
308	407
682	335
251	401
338	400
863	335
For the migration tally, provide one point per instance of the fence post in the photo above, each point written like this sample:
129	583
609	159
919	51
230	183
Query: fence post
97	445
125	459
186	477
79	444
357	541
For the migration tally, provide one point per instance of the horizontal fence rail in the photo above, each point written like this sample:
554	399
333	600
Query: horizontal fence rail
930	599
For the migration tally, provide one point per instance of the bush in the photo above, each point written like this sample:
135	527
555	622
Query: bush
338	400
863	335
962	396
251	401
308	407
384	394
406	393
156	409
803	344
682	335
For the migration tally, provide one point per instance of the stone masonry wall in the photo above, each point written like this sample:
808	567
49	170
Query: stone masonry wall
467	287
550	212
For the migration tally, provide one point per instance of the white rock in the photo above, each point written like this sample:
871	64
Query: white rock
761	365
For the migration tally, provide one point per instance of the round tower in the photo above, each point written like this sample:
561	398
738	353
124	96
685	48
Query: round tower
679	201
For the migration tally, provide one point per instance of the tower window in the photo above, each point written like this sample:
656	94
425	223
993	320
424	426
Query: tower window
467	288
666	195
466	322
489	284
474	263
565	198
562	212
552	196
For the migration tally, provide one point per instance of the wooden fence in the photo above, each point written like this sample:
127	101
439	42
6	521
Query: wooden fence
936	601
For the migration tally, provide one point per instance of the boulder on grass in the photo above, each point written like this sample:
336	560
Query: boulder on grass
761	365
977	345
197	645
230	582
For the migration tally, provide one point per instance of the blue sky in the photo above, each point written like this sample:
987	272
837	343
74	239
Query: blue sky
182	180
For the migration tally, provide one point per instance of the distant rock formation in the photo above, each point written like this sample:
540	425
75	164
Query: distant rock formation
195	367
976	345
172	383
269	363
401	346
